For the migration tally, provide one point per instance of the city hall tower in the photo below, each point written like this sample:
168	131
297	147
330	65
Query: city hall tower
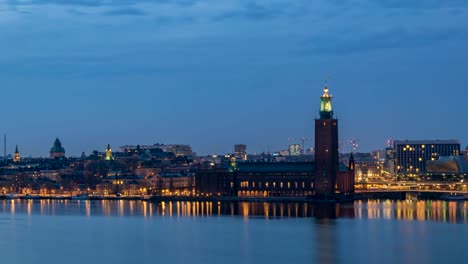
326	147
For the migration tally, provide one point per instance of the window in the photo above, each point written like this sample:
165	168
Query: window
281	184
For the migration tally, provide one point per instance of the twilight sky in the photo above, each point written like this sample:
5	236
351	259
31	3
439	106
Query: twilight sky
213	73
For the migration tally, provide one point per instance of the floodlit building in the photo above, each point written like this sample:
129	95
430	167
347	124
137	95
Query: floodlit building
294	150
16	157
411	156
109	155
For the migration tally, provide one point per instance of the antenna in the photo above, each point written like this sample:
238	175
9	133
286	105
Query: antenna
4	145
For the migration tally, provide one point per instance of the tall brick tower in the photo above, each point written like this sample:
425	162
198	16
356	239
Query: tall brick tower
326	148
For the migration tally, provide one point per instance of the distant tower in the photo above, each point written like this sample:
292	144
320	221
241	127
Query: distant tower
240	151
57	151
326	147
17	157
109	153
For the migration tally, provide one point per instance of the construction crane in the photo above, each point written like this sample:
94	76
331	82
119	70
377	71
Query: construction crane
350	145
302	140
389	142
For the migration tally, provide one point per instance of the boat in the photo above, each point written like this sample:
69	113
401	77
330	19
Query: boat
82	196
12	196
453	197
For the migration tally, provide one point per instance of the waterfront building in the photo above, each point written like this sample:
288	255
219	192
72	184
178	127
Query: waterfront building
124	184
240	151
57	151
16	157
109	153
326	147
447	169
175	183
411	156
326	176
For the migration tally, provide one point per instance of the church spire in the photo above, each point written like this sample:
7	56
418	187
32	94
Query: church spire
326	111
109	155
17	157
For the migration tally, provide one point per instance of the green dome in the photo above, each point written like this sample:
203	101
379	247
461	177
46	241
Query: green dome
57	147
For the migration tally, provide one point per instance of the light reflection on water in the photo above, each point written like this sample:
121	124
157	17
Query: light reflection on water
122	232
438	211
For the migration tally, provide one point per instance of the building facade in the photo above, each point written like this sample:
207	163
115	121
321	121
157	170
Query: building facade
240	151
411	156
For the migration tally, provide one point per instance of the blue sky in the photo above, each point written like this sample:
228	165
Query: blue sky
215	73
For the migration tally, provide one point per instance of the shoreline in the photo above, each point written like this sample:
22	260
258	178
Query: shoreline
301	199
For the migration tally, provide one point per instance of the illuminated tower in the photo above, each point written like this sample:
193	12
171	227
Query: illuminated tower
326	147
17	157
109	153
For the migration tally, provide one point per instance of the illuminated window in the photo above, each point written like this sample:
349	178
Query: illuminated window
324	124
303	184
266	184
281	184
289	185
295	185
274	184
253	184
232	185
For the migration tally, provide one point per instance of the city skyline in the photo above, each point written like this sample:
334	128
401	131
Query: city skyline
213	74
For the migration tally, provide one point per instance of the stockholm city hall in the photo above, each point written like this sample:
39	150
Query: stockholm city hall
325	177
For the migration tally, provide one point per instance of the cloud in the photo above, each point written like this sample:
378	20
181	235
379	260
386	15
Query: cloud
420	4
97	3
253	11
128	11
392	38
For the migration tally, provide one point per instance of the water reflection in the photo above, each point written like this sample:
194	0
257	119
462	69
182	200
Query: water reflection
440	211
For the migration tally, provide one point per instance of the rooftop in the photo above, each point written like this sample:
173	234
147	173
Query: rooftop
429	142
297	167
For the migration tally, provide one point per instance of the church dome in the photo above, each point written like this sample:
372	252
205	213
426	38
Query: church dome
57	147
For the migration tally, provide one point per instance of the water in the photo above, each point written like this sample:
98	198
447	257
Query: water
53	231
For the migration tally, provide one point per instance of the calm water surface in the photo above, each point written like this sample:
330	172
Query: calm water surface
202	232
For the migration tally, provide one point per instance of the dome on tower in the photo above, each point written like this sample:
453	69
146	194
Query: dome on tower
57	151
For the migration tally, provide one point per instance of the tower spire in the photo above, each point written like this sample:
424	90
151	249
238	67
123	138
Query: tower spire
326	111
16	157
